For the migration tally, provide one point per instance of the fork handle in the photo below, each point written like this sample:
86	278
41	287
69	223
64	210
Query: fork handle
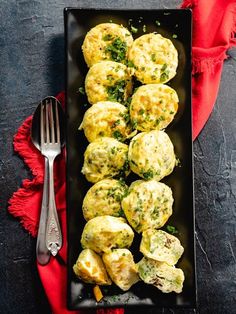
42	252
53	230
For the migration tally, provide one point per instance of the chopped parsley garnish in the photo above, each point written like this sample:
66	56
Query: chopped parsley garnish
164	76
144	28
174	36
148	174
133	29
157	23
130	64
171	229
164	67
116	92
107	37
116	134
114	124
125	116
117	50
141	111
153	57
81	90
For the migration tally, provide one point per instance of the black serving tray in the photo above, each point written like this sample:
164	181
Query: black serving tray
172	22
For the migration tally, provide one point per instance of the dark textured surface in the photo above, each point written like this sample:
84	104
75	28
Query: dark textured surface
32	67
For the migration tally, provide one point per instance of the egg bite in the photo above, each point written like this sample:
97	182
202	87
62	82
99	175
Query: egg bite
153	107
155	58
105	158
108	80
151	155
89	267
161	246
163	276
104	198
106	41
121	268
148	205
104	233
106	119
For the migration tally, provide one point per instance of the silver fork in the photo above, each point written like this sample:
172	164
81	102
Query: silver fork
50	148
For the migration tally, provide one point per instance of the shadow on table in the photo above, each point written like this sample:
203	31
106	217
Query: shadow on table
55	65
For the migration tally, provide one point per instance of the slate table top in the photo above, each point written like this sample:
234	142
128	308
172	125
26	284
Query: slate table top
32	67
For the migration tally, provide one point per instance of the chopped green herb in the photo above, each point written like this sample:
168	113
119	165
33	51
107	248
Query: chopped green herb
125	116
117	122
116	92
157	23
116	134
153	57
134	124
148	174
164	76
117	50
81	90
130	64
142	68
133	29
141	111
107	37
171	229
174	36
164	67
171	112
110	78
178	162
144	28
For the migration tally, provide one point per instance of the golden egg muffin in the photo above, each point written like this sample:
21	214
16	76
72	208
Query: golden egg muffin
153	107
155	58
106	118
104	233
104	198
121	268
106	41
151	155
105	158
147	205
163	276
89	267
161	246
108	80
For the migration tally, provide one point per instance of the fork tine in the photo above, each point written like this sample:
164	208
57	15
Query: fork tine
52	128
47	124
42	134
57	122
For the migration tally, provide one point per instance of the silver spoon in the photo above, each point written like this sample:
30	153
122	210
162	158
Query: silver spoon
42	253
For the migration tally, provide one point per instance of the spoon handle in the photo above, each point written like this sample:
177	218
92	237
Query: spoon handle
42	252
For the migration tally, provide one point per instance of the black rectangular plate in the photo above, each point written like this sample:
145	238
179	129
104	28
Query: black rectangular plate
77	23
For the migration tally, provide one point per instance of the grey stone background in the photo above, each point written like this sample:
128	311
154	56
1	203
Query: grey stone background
32	67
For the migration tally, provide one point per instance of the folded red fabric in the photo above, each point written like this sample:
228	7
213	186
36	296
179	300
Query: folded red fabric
214	26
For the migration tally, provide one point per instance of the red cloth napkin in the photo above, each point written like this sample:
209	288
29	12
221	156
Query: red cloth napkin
214	27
